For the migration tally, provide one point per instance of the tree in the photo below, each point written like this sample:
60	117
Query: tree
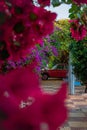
61	40
79	60
64	39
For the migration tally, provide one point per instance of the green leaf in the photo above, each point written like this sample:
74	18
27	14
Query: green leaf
44	62
56	3
68	1
63	1
38	47
72	16
70	10
78	15
74	6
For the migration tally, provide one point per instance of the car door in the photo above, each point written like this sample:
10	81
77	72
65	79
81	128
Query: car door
61	71
56	71
53	72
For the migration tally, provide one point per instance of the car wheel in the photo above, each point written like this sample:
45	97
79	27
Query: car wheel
44	76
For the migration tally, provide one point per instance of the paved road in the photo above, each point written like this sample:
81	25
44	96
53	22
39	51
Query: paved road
77	104
51	85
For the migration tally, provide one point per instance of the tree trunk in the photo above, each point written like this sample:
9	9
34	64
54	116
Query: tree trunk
85	88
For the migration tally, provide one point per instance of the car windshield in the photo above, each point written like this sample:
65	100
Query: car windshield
59	67
54	67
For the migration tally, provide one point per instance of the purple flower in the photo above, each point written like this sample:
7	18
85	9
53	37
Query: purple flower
11	64
55	51
56	28
53	40
48	39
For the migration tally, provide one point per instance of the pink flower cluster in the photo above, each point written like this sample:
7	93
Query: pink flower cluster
23	106
22	25
44	2
80	1
78	31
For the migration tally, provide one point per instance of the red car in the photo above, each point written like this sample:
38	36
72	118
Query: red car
58	71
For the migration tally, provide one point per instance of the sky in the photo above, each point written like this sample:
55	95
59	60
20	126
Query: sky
62	11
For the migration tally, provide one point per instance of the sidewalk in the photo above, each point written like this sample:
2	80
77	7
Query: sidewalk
77	105
77	119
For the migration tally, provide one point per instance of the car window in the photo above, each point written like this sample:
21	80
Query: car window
54	67
60	67
65	67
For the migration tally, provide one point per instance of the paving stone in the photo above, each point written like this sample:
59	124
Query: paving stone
78	124
77	106
65	128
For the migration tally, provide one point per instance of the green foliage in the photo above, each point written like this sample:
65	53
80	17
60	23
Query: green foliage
75	11
78	49
56	3
61	39
79	12
53	60
59	2
79	60
64	34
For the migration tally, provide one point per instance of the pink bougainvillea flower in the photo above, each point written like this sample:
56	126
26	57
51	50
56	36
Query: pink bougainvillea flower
15	87
39	19
28	107
72	21
20	3
27	82
54	110
44	2
80	1
2	5
21	82
8	102
23	106
78	31
28	117
23	26
46	109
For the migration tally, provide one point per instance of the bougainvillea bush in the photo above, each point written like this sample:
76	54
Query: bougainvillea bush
78	47
22	25
23	104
